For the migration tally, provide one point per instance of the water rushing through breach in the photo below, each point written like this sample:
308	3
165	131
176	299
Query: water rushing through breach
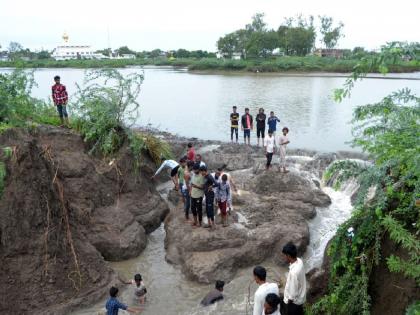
171	293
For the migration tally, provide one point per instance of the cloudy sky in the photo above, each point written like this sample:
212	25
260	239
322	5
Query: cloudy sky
193	24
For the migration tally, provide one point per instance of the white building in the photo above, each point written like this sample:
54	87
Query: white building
68	51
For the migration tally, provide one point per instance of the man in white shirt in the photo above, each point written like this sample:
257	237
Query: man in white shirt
174	166
269	145
295	289
264	288
283	142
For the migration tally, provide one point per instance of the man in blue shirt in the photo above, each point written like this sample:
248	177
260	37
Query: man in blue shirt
272	123
113	305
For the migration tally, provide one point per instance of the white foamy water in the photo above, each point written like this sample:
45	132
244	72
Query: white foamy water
323	227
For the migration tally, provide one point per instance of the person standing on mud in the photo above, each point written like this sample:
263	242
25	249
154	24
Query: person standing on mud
190	152
272	122
260	118
197	193
269	144
247	125
185	189
209	183
295	289
223	197
60	98
234	124
283	142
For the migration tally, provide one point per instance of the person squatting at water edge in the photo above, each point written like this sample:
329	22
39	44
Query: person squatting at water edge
173	166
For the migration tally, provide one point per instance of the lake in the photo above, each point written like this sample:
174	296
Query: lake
198	104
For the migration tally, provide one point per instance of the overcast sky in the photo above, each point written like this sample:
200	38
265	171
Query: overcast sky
193	24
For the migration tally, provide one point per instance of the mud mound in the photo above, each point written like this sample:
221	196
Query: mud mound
62	212
275	208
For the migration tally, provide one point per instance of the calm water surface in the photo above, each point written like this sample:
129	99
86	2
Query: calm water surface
198	105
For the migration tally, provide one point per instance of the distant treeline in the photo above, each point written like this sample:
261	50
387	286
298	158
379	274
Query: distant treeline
278	64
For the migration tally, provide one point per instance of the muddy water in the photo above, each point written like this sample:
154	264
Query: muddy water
171	293
303	103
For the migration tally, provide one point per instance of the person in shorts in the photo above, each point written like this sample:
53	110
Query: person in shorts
247	126
234	124
174	166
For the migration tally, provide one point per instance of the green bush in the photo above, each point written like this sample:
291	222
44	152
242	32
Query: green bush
388	131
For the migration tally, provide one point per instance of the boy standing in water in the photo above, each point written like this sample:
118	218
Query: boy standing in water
260	118
60	98
283	142
269	144
272	122
139	289
247	126
113	305
234	124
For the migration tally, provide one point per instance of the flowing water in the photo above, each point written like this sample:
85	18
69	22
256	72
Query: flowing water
171	293
199	104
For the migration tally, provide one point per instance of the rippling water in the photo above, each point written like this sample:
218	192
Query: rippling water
198	105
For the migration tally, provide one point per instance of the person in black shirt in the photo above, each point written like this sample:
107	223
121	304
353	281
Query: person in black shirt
234	124
215	295
260	118
209	183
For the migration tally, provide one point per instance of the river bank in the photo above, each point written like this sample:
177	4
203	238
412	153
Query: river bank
284	64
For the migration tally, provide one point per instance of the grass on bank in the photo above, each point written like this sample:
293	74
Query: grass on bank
278	64
101	113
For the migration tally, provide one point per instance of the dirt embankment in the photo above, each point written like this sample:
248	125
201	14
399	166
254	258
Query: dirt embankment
62	213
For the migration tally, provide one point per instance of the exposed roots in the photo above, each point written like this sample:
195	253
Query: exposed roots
77	283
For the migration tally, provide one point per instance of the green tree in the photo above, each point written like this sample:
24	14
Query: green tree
182	53
124	50
330	34
257	24
297	36
155	53
228	44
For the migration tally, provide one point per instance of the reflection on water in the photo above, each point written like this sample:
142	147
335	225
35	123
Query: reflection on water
198	105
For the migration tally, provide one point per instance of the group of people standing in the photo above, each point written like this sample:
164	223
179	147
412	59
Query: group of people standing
196	184
270	143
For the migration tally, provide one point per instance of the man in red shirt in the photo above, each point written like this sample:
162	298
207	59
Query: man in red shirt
60	98
190	152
